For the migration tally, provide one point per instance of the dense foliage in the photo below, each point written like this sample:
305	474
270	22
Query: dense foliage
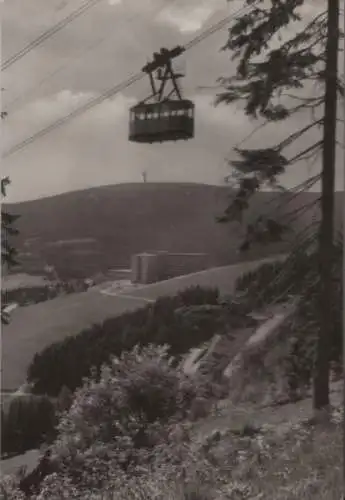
110	445
254	284
274	282
298	277
125	424
27	423
8	252
280	73
35	294
166	321
287	67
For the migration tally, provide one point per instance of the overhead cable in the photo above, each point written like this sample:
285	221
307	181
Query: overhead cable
114	90
89	48
49	33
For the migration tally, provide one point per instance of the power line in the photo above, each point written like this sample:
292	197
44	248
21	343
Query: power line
88	49
114	90
49	33
77	112
212	29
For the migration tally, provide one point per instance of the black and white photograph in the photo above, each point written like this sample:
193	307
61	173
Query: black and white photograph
172	308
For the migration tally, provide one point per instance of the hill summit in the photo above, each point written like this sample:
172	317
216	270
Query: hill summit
93	230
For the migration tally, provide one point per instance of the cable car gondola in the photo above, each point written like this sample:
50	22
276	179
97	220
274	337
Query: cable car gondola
166	117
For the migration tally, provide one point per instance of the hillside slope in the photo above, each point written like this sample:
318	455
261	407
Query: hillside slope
96	229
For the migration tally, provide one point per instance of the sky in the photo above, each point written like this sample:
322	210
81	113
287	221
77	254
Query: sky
102	48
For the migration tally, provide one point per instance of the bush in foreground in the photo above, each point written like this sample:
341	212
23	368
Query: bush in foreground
126	422
303	463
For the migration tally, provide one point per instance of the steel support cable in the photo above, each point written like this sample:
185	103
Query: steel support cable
49	33
73	114
89	48
113	91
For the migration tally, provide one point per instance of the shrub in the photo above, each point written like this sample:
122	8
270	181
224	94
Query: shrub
28	422
9	488
122	420
64	400
65	363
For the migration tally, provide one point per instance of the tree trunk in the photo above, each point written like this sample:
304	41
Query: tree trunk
326	235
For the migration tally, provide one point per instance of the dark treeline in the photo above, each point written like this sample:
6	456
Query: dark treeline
35	294
182	322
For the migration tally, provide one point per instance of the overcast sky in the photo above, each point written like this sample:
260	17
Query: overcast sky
100	49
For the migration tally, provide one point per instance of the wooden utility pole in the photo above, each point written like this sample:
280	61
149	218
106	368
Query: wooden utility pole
326	235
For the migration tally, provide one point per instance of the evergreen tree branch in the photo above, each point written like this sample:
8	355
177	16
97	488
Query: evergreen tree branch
291	194
297	135
297	212
8	252
307	153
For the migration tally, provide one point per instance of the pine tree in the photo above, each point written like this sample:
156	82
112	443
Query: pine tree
277	77
8	252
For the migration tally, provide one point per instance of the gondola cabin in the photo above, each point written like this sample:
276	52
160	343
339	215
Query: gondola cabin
166	118
171	120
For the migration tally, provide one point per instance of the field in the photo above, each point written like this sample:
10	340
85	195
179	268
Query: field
84	232
21	280
32	328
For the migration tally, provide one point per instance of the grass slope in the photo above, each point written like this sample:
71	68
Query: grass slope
34	327
92	230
